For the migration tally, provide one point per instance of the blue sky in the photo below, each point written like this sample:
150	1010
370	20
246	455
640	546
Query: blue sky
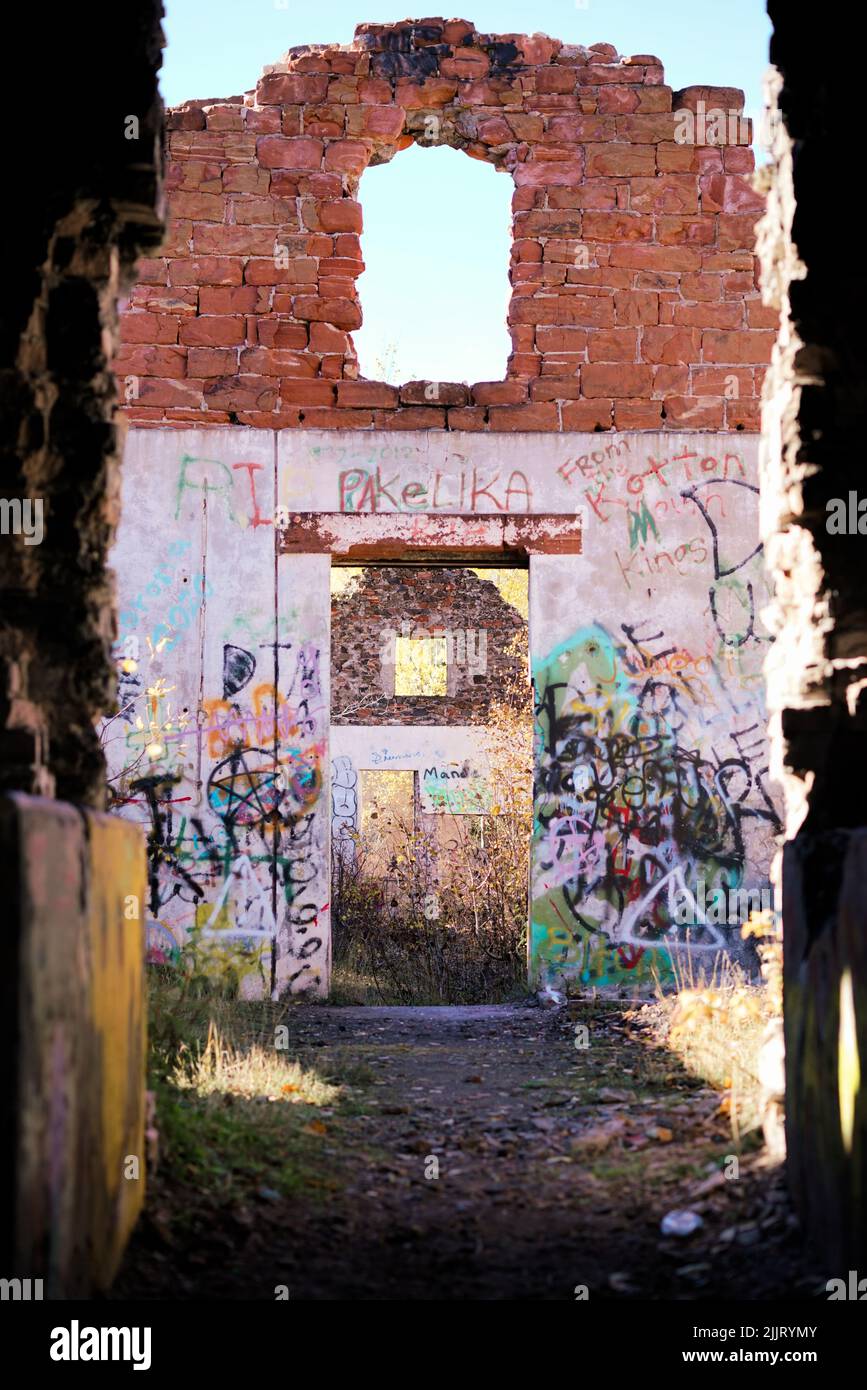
436	223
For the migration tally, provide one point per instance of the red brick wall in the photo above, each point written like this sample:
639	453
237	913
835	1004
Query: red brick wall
412	601
220	329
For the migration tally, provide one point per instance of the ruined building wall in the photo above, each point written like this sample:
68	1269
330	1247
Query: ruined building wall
479	628
618	459
634	303
87	192
813	418
74	252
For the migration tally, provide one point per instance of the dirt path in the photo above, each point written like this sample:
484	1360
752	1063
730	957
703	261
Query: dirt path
555	1166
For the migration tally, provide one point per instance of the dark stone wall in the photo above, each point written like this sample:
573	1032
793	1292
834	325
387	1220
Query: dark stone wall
416	601
814	413
87	203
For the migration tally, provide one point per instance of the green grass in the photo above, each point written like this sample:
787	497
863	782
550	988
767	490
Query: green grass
235	1113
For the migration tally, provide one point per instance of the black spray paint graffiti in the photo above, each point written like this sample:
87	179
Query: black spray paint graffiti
737	594
344	807
628	806
239	667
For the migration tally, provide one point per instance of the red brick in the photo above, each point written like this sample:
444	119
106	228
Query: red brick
587	415
539	416
151	361
701	286
671	344
671	193
204	362
199	207
290	89
638	415
646	129
298	392
761	315
347	156
213	330
556	388
241	393
170	393
670	379
366	393
448	393
743	414
737	232
152	271
547	173
265	271
677	159
412	417
498	392
325	338
561	339
715	381
620	160
656	257
216	239
286	152
636	307
343	313
694	412
467	418
207	270
616	226
710	315
678	231
265	121
616	381
349	245
241	300
728	193
270	361
612	345
148	328
737	347
320	418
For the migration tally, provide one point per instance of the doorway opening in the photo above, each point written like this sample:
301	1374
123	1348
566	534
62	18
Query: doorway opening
431	766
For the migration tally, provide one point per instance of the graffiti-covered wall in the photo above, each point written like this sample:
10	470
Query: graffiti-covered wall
654	818
646	590
220	742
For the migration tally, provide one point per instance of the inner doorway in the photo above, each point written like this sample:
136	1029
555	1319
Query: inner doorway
431	753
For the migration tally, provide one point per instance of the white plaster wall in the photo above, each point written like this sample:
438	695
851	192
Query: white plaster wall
669	594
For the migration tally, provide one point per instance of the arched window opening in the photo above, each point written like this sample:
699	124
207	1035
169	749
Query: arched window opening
435	290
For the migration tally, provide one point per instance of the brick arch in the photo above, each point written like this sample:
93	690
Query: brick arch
649	333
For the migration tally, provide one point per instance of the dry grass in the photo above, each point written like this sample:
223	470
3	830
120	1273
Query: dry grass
224	1066
715	1023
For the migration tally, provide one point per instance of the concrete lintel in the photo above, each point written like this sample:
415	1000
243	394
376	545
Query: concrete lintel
390	536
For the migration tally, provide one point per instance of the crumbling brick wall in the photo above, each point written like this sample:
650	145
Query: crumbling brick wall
84	184
633	306
72	249
483	635
813	418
